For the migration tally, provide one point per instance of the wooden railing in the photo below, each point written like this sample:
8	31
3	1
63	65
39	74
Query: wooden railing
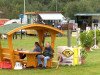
6	53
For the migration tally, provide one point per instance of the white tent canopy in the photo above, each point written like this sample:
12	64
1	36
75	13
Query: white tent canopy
52	16
12	21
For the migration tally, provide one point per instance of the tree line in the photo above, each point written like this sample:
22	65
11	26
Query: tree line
12	8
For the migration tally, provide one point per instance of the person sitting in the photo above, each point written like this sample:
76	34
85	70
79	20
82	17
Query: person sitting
46	55
37	47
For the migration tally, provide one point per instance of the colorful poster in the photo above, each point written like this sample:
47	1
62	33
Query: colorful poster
68	55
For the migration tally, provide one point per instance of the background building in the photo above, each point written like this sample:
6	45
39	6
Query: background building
86	19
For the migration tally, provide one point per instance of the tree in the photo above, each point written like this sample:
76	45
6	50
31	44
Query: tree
12	8
74	7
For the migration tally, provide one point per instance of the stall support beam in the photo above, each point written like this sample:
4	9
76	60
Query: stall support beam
53	37
0	50
41	37
10	45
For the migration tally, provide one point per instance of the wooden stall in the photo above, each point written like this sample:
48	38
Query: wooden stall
10	54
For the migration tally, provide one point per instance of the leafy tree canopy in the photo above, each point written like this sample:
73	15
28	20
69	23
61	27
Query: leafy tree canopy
12	8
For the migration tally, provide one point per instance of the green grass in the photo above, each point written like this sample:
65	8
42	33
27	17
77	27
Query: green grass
92	66
28	42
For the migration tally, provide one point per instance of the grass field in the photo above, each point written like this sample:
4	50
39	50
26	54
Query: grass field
92	66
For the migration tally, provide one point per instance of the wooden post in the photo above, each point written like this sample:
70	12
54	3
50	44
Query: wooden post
10	45
53	37
69	34
41	37
0	50
20	34
69	38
